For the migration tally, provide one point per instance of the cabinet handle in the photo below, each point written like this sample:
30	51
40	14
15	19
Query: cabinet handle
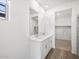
51	41
45	46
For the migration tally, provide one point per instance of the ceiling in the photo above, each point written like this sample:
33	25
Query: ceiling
52	3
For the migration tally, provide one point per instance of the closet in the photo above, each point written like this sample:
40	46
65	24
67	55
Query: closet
63	24
63	29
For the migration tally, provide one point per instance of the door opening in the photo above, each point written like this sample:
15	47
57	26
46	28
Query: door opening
63	29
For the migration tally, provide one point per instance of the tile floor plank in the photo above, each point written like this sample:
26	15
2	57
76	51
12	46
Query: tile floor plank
61	54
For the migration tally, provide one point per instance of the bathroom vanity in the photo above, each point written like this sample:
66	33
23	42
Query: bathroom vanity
40	46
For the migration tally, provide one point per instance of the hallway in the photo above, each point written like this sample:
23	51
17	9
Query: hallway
61	54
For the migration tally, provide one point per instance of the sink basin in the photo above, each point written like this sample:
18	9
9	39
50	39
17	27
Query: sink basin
38	36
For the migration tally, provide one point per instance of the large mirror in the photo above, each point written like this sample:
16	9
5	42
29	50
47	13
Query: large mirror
3	9
33	22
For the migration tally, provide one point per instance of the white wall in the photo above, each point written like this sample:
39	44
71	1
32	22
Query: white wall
14	33
75	11
41	23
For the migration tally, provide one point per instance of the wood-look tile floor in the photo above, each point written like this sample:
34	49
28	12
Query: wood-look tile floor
63	44
61	54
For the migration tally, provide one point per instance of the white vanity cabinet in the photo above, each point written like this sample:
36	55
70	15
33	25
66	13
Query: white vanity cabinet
40	47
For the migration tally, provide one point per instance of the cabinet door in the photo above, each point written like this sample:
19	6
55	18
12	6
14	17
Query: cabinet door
46	46
43	49
49	45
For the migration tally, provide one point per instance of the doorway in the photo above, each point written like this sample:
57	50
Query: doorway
63	29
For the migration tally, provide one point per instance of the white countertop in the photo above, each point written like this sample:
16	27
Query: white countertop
40	37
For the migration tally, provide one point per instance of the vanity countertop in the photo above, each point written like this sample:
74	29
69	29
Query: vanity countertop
40	37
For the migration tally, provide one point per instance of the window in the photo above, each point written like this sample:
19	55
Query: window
3	4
